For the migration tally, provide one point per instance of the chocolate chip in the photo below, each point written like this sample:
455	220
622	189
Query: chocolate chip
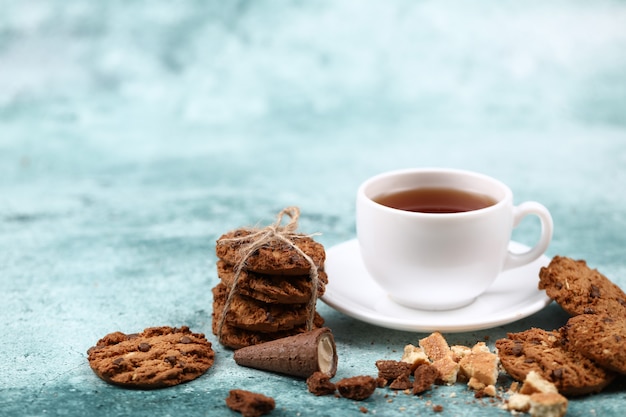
118	361
171	360
517	349
185	339
595	292
144	347
589	310
529	360
557	373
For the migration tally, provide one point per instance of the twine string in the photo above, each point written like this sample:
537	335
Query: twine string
261	237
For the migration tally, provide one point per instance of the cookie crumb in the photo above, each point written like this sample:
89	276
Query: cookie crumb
391	370
357	387
401	383
425	376
319	384
548	404
249	404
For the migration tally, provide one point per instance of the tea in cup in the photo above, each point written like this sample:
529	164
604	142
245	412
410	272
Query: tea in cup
437	238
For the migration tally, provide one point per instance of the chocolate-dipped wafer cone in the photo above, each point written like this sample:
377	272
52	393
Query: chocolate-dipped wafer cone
300	355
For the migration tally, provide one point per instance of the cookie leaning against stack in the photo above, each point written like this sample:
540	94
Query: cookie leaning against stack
274	288
582	356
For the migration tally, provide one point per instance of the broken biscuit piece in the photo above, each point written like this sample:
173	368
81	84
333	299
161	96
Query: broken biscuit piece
538	396
534	382
435	347
319	384
438	351
249	404
480	367
547	404
390	369
414	356
357	388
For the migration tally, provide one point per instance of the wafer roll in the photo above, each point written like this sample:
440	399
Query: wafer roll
300	355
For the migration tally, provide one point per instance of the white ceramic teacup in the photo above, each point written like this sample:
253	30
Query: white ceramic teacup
441	261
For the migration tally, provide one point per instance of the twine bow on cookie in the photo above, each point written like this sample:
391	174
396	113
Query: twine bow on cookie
264	237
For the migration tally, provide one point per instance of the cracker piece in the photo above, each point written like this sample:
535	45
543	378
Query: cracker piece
534	383
480	367
414	356
547	404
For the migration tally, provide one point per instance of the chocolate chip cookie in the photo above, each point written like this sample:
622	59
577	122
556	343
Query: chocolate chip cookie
253	315
544	352
275	289
275	257
580	289
599	338
236	338
158	357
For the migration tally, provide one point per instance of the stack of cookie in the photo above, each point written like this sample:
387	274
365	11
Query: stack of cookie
273	295
584	355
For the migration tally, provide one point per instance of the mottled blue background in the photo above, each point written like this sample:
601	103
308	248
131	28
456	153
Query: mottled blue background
134	133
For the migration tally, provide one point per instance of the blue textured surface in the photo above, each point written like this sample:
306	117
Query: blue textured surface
133	134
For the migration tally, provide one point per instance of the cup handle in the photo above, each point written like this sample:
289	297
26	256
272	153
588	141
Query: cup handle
514	260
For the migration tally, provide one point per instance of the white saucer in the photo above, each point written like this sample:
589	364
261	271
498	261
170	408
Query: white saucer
350	290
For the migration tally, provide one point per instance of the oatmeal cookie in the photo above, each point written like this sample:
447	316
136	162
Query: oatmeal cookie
158	357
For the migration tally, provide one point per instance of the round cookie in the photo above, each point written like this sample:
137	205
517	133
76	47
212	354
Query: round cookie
236	338
274	258
281	289
599	338
250	314
580	289
543	352
158	357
